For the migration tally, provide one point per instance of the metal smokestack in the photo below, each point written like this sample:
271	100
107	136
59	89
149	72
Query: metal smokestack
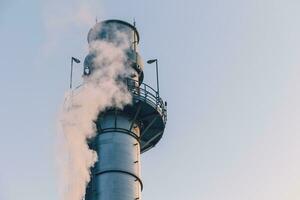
123	134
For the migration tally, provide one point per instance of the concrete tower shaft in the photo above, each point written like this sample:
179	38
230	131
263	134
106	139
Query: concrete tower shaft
122	135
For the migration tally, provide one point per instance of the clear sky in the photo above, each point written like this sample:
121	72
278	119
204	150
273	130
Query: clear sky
228	69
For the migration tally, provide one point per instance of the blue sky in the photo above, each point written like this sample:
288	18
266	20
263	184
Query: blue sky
229	71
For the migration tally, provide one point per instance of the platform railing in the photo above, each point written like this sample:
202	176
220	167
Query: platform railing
146	93
142	92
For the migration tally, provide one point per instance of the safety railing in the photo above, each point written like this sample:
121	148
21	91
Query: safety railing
146	93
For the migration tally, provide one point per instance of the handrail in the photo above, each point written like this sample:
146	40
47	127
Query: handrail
147	93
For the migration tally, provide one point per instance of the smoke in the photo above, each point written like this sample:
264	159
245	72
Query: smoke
102	89
60	19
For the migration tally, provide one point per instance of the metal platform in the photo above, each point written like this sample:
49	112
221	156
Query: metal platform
147	109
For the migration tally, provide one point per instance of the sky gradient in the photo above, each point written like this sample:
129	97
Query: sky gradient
228	69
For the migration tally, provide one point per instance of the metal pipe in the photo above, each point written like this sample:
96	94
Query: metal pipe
117	174
71	74
157	79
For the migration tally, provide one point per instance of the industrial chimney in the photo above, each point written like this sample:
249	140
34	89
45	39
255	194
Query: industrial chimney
123	134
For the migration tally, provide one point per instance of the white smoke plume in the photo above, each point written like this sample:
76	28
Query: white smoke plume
100	90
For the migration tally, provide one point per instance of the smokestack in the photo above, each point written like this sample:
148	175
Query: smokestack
123	134
129	116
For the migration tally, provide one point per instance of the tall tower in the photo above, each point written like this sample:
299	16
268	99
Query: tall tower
122	135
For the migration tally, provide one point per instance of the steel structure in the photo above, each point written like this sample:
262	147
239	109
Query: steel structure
122	135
